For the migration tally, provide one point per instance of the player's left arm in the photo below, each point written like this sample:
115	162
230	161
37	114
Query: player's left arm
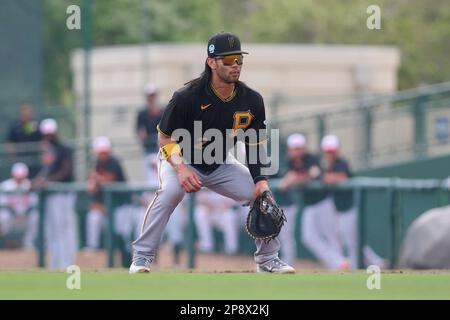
340	174
65	170
334	177
105	177
140	128
258	150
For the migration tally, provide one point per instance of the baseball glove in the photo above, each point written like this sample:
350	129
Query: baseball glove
265	219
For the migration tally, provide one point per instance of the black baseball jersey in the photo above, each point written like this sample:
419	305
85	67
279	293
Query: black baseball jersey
24	132
243	110
303	165
60	169
149	123
20	132
112	166
343	200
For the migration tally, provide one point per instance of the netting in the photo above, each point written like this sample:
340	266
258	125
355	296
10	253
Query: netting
21	66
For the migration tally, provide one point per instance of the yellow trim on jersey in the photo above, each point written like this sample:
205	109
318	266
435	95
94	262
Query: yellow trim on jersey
169	149
221	97
163	133
255	144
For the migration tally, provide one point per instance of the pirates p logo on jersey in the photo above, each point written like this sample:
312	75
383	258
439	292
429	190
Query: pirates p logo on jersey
242	119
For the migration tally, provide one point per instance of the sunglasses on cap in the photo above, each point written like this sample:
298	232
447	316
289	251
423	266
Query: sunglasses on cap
230	60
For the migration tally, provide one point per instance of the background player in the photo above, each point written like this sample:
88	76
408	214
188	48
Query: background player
19	209
303	167
107	170
146	123
337	170
319	223
23	137
57	166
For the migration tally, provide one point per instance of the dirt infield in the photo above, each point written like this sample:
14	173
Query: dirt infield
22	259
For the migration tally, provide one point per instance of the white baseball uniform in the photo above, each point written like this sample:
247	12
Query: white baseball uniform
19	205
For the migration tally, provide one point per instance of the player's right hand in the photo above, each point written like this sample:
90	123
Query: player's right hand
188	179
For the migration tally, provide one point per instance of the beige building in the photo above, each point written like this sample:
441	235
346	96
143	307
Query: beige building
308	78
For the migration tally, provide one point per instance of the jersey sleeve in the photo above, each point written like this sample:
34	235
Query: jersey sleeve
139	122
342	167
174	115
313	161
259	148
313	167
118	171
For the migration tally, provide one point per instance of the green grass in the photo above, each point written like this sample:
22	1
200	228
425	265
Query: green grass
117	284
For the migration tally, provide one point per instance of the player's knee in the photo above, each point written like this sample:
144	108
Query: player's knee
245	196
174	194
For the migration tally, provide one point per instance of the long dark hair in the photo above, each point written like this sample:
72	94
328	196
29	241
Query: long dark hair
203	80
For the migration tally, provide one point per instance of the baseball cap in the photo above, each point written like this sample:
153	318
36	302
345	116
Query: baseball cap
224	43
296	140
48	126
101	144
20	170
149	89
330	143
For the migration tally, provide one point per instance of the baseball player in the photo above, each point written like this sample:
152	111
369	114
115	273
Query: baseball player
303	167
319	223
216	103
107	170
23	137
336	170
60	226
146	123
19	207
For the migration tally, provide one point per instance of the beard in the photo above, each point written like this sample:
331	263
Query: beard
229	78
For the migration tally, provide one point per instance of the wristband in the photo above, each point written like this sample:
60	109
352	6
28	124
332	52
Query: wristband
170	149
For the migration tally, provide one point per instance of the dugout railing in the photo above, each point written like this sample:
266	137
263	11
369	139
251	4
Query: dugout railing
375	130
390	194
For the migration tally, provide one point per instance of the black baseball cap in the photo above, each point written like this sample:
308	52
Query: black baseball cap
224	43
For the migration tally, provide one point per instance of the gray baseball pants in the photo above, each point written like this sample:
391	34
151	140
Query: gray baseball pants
232	179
